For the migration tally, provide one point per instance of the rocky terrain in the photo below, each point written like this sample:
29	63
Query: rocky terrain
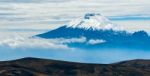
45	67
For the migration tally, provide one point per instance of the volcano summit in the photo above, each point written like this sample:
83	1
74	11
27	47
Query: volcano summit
91	21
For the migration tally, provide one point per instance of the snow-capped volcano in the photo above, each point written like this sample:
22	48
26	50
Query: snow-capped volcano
91	21
97	31
90	26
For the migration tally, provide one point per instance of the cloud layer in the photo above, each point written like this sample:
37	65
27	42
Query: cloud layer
49	14
20	47
20	42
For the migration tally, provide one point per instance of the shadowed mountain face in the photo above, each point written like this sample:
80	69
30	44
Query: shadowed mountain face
112	38
44	67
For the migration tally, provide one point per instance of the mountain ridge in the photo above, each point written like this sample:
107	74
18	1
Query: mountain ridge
46	67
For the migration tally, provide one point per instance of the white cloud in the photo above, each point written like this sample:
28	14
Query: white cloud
23	42
19	42
71	40
96	41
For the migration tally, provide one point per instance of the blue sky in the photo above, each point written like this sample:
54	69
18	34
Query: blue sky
23	18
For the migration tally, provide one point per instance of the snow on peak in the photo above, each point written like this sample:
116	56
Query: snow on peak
91	21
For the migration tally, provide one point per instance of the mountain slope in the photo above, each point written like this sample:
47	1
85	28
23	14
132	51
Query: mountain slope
44	67
101	32
111	38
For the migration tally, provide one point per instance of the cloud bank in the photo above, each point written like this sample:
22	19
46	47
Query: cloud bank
44	14
19	47
20	42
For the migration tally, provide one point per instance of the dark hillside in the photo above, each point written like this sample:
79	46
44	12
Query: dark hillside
45	67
